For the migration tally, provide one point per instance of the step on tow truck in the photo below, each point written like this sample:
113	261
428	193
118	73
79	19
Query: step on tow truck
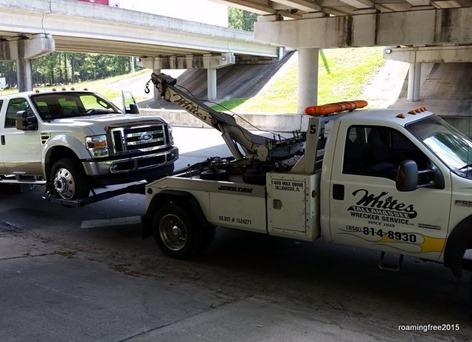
395	181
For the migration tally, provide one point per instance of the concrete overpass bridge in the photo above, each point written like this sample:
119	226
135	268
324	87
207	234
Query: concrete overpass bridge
33	28
418	32
413	31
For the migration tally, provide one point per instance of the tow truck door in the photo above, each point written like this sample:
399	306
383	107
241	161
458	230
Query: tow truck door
367	210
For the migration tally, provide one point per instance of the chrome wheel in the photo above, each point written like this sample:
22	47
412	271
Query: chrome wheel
178	231
173	232
64	183
69	179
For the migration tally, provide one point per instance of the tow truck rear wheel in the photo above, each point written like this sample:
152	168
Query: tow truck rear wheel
69	179
177	232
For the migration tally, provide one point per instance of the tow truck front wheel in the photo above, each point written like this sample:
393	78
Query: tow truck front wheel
69	179
176	233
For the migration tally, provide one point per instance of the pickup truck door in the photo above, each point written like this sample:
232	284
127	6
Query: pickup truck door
367	210
21	150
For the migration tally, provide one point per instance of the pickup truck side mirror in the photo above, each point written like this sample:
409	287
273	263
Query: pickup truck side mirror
129	103
133	109
25	121
407	176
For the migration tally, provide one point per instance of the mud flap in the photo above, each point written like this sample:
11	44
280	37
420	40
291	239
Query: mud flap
391	265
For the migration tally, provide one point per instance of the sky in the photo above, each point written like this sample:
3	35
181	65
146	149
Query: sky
203	11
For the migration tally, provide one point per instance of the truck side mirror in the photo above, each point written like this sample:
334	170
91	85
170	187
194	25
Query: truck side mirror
129	103
26	121
407	176
133	109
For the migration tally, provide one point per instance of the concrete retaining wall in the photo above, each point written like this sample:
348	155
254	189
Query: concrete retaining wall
267	122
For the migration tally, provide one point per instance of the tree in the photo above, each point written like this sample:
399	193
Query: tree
8	70
67	67
63	68
241	20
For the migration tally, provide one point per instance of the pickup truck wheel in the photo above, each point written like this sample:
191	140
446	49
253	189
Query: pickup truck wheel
69	179
176	233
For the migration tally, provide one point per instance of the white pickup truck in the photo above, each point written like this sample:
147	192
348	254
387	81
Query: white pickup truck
72	141
396	181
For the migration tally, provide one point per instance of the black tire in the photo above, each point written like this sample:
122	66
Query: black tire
254	176
177	233
69	179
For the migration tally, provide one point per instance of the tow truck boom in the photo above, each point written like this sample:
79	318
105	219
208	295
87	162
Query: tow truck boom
254	147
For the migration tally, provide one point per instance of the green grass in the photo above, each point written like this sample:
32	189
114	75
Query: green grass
342	75
228	104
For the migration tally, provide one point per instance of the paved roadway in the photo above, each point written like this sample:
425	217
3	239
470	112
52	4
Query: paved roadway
61	282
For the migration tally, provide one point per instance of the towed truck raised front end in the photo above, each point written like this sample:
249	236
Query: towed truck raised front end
131	150
72	141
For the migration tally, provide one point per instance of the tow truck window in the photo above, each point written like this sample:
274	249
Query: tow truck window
447	143
378	151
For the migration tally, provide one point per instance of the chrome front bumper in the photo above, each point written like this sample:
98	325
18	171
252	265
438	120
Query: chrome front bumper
129	165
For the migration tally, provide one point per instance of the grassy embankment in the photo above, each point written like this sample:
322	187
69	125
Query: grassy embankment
343	75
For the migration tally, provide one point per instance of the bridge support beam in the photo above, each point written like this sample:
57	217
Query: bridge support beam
414	82
212	84
23	50
430	26
307	78
23	70
422	56
212	63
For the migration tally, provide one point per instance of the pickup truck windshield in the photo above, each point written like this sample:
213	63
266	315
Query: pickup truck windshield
71	104
447	143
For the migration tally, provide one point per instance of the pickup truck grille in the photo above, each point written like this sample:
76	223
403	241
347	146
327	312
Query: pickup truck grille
139	138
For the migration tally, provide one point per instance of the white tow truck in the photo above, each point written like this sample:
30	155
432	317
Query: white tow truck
390	180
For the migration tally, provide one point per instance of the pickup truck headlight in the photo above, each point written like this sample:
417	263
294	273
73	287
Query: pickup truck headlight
171	136
97	146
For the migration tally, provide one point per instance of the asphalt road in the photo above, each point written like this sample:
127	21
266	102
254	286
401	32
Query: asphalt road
61	281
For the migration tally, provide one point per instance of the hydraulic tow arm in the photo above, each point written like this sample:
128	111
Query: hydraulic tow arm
253	146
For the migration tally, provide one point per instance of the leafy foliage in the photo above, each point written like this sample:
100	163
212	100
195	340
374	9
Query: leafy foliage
241	20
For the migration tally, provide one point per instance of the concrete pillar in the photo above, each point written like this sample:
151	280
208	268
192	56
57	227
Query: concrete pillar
211	84
27	49
23	69
414	82
307	78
